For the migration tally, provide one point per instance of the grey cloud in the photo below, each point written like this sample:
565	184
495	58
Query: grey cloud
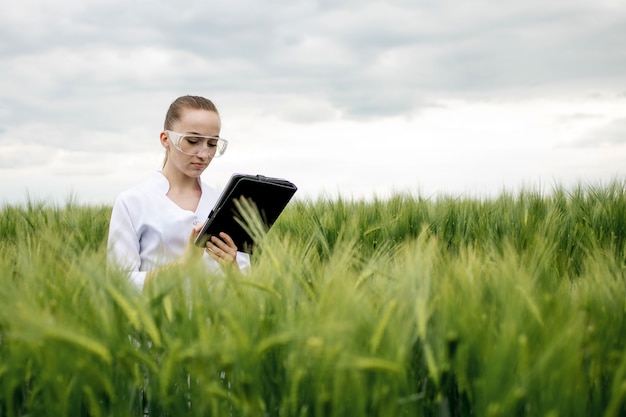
613	133
531	47
362	59
33	141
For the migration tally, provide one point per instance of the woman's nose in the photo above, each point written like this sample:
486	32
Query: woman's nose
207	150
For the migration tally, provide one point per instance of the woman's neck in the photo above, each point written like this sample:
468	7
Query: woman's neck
179	182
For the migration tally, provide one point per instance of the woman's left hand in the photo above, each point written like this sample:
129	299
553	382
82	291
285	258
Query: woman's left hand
223	250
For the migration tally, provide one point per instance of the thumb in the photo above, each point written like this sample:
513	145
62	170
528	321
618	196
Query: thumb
194	232
192	251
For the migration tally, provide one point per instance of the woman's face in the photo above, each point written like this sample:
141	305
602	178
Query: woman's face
193	121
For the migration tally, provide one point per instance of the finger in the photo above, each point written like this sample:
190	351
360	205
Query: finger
211	246
194	233
213	255
219	247
192	237
212	249
228	240
223	245
220	255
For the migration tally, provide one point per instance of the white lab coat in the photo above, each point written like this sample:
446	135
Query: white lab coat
148	230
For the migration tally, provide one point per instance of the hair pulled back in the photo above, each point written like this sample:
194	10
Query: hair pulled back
175	110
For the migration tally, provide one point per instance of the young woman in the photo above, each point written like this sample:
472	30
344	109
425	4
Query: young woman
153	224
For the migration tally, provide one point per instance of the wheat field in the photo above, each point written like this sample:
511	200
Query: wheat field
406	306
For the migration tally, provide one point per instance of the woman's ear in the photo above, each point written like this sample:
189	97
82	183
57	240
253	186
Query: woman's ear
165	140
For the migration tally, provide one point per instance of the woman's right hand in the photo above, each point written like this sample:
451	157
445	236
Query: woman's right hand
192	252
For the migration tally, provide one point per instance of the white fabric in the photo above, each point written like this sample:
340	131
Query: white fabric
148	230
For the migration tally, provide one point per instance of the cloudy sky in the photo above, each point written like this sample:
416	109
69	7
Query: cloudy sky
350	97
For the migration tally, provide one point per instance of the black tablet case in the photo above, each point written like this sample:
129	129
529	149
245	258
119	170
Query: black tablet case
270	195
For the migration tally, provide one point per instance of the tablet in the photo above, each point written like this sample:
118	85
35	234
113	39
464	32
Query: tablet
270	195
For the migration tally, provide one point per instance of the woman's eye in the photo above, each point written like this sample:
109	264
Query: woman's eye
191	141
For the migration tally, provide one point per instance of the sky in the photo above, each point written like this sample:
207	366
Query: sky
358	99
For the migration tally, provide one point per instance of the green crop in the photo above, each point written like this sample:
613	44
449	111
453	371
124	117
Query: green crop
407	306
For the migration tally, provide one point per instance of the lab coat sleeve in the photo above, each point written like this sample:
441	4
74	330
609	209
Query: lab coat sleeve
123	244
243	260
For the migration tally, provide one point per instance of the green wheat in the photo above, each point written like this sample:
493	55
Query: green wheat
443	306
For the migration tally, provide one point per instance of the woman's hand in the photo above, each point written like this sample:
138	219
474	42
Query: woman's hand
192	253
223	250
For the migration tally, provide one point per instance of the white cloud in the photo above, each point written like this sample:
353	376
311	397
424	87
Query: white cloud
343	95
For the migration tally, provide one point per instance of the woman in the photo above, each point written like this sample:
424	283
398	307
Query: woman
153	224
